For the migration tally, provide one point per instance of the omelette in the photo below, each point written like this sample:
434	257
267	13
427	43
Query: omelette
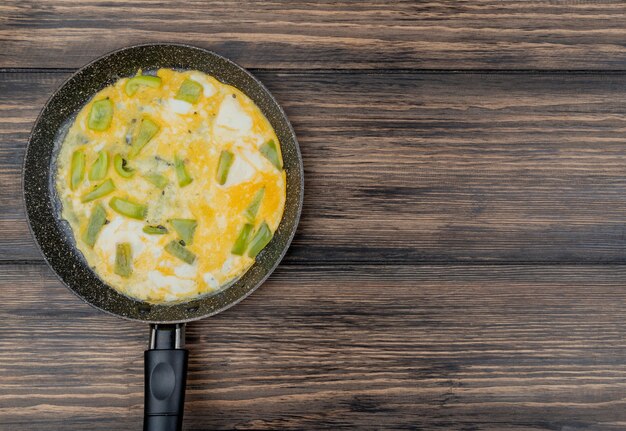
172	183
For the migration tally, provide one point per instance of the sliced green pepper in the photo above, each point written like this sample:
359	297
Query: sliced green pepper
185	228
100	167
270	151
223	167
181	172
147	130
128	208
189	91
177	250
261	238
241	243
155	230
133	84
157	180
121	167
77	169
100	115
101	190
123	259
253	208
97	219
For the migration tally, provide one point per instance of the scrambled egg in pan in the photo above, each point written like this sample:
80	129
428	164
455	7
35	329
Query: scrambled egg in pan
172	183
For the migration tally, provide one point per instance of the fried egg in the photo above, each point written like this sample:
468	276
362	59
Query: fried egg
152	150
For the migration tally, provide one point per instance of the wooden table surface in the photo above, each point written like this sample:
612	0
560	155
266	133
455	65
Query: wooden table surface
461	258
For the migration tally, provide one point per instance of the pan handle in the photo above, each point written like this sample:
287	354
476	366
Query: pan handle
165	366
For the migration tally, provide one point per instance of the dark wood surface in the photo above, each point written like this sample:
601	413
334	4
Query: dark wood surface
461	258
552	34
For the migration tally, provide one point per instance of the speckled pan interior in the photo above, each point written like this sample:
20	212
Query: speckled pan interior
52	236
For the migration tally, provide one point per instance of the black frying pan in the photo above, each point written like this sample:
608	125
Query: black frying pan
166	359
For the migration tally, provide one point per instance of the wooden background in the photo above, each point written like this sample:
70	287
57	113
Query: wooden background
461	258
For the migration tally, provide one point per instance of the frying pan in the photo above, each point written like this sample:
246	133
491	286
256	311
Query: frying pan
166	359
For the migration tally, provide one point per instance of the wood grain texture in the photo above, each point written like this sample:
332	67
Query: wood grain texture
402	347
567	34
420	167
460	260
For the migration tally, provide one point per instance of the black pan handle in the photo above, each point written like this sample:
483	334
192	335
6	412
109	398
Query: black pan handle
165	366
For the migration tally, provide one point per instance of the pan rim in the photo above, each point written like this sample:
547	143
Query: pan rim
298	204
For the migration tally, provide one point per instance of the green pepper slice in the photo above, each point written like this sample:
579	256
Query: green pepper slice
155	230
157	180
260	239
133	84
270	151
223	167
100	115
123	259
185	228
97	219
101	190
252	210
77	169
128	208
177	250
147	130
121	167
181	172
100	167
241	243
189	91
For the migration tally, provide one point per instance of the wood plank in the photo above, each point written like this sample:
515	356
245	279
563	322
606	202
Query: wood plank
487	34
499	168
384	347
